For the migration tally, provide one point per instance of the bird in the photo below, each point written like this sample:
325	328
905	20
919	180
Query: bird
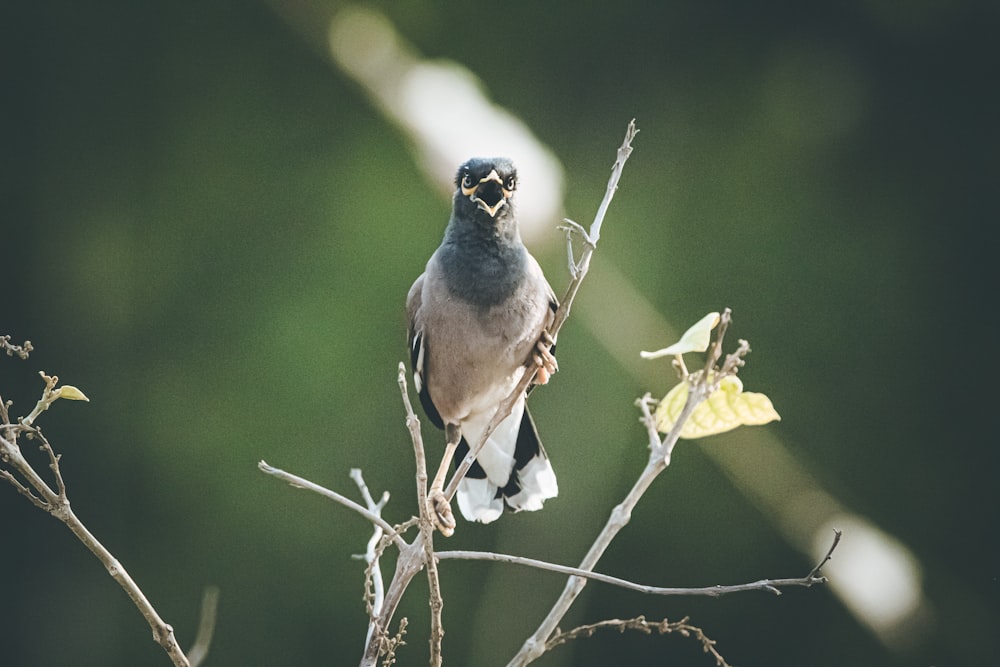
478	319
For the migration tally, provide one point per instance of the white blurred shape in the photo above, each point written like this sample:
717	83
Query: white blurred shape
445	112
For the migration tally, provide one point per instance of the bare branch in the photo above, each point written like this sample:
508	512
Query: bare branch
624	151
591	238
648	420
767	585
375	507
56	503
302	483
682	627
573	228
814	574
408	564
702	384
23	490
163	633
436	603
412	557
715	351
22	350
43	493
373	571
426	538
371	596
53	463
48	398
391	644
735	361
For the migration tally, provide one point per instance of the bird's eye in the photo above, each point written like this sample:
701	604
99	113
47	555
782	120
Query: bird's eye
510	183
467	181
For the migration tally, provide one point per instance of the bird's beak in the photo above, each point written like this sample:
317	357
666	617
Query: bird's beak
489	194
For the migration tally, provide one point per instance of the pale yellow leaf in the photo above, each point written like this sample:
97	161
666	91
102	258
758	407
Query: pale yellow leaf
728	407
71	393
695	339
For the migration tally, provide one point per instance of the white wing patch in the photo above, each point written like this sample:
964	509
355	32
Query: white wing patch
418	367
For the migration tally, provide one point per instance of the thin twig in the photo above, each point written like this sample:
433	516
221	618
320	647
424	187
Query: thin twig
53	465
624	151
426	537
10	453
302	483
715	350
436	603
391	644
22	350
13	456
163	633
48	398
56	502
409	562
682	627
366	494
648	420
373	571
370	593
766	585
814	574
412	557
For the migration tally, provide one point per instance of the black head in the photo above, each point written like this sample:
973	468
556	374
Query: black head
486	184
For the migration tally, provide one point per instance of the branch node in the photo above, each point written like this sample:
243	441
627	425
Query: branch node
22	350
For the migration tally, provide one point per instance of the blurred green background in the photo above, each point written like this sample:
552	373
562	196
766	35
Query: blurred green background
209	228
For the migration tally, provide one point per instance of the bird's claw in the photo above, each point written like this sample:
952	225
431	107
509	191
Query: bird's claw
544	359
439	510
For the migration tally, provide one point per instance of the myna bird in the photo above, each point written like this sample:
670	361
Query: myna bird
478	320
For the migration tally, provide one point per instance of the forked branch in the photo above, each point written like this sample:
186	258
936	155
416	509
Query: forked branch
701	386
19	472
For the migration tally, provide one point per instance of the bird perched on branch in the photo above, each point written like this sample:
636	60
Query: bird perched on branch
478	320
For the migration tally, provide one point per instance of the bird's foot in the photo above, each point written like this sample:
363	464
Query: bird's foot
439	510
544	359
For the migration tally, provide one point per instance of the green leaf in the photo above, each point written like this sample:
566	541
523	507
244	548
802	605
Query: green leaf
71	393
728	407
695	339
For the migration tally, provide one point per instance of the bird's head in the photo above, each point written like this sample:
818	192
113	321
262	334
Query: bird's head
486	184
